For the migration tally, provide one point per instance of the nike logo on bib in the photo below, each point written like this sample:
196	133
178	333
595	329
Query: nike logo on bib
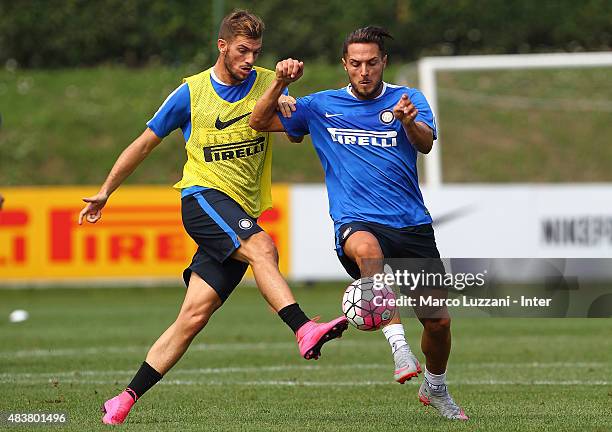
220	124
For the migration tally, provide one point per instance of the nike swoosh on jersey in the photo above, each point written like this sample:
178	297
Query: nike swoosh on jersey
332	115
220	124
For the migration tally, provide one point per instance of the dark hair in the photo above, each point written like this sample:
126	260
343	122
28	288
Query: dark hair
369	34
241	23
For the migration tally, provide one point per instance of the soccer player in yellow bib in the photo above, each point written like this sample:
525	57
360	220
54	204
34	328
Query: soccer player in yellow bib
225	187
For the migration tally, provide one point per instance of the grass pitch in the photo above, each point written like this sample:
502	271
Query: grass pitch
516	126
243	372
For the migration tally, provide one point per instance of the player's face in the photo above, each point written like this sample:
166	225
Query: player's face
239	56
365	64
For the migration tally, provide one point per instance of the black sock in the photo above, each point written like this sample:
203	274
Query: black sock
293	316
145	378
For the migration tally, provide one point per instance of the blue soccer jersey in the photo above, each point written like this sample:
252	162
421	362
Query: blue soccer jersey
370	165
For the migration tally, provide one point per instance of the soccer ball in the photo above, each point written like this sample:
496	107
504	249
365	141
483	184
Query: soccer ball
368	308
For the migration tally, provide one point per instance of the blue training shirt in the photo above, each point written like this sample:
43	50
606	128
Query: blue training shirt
370	165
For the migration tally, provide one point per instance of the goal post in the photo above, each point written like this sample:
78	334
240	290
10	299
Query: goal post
429	66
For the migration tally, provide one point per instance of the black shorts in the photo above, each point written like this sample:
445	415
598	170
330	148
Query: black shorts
216	222
414	248
410	242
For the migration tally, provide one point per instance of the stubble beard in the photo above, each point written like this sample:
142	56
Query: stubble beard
228	68
370	95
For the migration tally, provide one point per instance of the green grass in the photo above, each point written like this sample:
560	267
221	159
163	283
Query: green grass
243	372
68	126
537	126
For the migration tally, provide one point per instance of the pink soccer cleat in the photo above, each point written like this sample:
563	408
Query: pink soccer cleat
311	336
117	409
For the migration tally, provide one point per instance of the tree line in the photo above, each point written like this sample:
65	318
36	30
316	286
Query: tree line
71	33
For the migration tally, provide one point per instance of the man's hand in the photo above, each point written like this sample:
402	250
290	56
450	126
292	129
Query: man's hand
264	117
419	133
289	70
404	111
286	105
92	212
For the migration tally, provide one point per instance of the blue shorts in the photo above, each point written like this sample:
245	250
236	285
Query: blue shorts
216	223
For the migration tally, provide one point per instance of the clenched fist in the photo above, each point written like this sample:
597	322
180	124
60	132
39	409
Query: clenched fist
289	70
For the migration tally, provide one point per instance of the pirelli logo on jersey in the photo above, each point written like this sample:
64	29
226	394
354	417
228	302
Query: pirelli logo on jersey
235	150
364	137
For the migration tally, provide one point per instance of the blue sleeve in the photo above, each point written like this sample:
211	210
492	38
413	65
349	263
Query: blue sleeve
425	114
297	125
173	113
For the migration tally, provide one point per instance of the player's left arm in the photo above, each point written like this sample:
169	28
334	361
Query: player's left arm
419	133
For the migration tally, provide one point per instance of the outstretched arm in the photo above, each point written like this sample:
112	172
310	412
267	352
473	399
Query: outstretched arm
264	118
126	163
419	133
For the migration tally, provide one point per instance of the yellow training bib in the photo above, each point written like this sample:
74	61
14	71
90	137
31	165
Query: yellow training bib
223	152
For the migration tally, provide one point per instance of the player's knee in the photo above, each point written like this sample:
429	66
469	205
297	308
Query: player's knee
260	247
437	326
368	250
194	319
195	323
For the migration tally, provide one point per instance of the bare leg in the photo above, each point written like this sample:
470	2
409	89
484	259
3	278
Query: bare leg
201	301
436	343
363	248
260	252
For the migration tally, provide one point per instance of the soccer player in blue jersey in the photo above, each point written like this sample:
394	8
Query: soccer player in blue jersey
367	136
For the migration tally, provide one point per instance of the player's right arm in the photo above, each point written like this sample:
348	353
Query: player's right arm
264	118
125	165
173	113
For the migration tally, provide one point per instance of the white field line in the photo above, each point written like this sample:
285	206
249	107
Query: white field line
276	383
94	351
260	346
280	368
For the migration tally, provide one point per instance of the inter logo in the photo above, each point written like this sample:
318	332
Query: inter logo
386	117
235	150
245	224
